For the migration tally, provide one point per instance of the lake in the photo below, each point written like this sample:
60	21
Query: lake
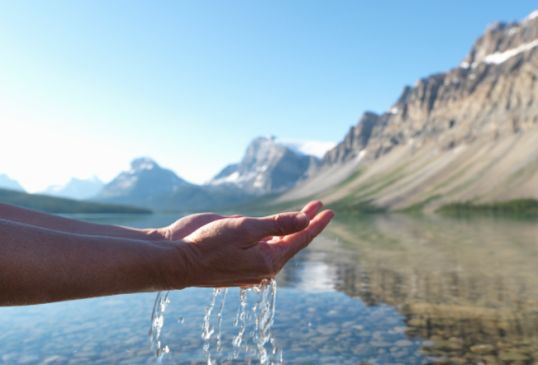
387	289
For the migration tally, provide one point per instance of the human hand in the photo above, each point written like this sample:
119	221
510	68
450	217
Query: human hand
242	251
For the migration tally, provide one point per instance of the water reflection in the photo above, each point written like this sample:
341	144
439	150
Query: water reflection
383	290
471	288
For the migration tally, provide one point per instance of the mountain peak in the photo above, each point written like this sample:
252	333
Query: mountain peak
143	163
268	166
502	41
532	16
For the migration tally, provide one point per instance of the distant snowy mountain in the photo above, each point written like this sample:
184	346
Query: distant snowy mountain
268	166
8	183
77	188
149	185
145	179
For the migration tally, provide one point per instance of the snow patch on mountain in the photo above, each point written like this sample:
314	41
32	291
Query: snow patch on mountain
312	148
500	57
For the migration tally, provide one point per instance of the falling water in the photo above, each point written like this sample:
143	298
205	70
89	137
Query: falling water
253	340
157	323
213	323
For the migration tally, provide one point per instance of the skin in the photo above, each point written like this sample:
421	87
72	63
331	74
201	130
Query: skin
45	258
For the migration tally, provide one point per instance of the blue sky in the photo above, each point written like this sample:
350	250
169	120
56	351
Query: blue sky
87	86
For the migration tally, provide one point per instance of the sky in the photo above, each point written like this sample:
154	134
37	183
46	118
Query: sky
86	86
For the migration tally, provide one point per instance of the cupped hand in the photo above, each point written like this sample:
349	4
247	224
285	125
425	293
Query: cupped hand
242	251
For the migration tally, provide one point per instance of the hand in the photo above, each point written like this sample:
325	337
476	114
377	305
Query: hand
242	251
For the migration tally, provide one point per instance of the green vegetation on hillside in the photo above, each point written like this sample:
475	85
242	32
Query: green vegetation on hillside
518	208
51	204
350	206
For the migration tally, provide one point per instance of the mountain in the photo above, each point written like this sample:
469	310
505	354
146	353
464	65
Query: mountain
7	183
145	180
149	185
51	204
467	135
268	166
77	188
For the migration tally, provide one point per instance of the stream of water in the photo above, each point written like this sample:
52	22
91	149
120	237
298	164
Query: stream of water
253	339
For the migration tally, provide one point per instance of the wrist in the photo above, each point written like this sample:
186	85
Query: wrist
178	265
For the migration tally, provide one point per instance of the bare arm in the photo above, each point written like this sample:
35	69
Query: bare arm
39	265
44	220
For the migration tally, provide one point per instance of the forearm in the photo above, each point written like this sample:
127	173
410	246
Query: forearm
54	222
40	265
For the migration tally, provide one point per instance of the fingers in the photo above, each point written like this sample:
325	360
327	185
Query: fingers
295	242
312	208
255	229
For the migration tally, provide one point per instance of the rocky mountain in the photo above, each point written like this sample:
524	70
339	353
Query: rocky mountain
8	183
469	134
149	185
77	188
268	166
145	179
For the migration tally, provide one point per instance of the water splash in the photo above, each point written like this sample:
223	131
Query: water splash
213	323
253	321
157	323
241	322
255	316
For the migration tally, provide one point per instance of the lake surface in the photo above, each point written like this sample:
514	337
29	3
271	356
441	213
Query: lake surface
392	289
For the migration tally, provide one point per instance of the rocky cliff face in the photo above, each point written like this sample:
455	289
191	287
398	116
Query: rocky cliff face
492	92
267	167
486	107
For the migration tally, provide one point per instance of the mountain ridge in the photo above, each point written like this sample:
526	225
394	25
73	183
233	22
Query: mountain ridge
479	118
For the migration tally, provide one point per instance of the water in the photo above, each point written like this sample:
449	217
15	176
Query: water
254	319
385	290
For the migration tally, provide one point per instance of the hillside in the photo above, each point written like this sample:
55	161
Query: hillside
51	204
467	135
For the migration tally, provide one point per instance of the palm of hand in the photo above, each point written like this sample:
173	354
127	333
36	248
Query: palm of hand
232	251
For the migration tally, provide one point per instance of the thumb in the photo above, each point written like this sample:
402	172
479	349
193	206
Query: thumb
254	229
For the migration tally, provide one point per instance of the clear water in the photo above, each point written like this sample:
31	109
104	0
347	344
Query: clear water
386	290
254	319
